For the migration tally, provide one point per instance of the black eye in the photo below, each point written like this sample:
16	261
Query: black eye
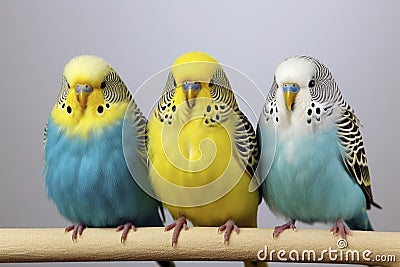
103	85
174	83
69	87
311	83
211	83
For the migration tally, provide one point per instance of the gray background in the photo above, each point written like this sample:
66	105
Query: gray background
358	40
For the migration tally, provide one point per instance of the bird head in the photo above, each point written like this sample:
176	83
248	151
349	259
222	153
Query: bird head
84	76
193	73
294	77
92	94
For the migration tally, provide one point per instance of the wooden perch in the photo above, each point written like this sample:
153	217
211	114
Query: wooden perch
198	243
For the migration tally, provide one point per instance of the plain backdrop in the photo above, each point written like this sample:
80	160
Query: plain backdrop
357	40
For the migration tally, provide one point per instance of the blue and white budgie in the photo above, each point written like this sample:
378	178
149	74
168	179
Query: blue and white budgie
86	173
317	170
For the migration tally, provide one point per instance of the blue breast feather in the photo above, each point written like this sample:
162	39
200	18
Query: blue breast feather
90	183
308	181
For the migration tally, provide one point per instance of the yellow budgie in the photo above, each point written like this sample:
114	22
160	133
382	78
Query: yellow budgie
202	149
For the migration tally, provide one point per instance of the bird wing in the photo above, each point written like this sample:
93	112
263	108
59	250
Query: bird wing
353	154
247	146
45	135
244	135
246	143
44	141
139	122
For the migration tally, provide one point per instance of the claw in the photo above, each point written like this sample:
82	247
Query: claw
177	225
340	228
77	229
228	227
280	228
125	230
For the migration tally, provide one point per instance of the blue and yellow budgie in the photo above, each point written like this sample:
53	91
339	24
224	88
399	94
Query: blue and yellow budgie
202	149
86	173
318	171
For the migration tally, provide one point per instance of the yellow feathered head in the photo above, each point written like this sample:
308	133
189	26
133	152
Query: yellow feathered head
195	75
92	95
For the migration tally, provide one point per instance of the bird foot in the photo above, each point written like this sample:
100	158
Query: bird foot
340	228
280	228
125	230
228	227
177	225
77	229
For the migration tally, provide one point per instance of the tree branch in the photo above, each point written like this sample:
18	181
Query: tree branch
198	243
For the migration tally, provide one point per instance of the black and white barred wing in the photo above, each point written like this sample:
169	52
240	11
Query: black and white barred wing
353	155
244	136
247	144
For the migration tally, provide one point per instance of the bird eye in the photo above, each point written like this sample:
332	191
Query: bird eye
311	83
103	85
174	83
211	83
69	87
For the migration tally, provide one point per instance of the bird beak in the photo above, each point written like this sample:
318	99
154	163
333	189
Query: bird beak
290	92
190	95
191	89
82	92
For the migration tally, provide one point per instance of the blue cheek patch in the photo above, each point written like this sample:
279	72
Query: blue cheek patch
294	88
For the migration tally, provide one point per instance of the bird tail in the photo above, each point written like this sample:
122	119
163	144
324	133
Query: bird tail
360	222
255	264
166	263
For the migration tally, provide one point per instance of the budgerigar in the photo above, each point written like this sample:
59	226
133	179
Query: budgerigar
86	173
202	149
319	171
